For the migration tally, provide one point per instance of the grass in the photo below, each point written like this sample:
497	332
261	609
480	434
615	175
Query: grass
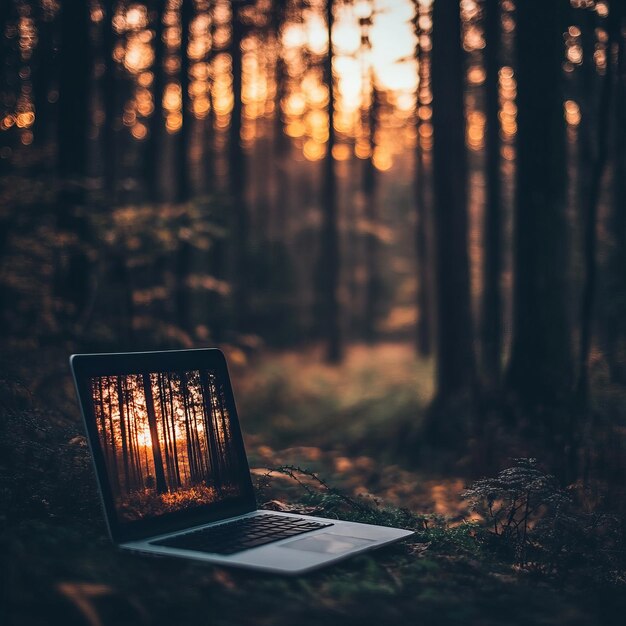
295	399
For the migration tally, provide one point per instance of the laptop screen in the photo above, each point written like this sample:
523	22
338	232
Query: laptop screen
168	441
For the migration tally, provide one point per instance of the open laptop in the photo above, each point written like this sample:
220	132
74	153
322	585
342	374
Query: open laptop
173	474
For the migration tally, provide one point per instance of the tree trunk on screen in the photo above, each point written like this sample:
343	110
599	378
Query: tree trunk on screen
159	474
154	144
120	401
209	424
540	370
114	469
491	299
183	183
454	346
167	439
329	262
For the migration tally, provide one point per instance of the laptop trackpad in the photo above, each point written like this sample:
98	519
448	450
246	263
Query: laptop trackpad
327	543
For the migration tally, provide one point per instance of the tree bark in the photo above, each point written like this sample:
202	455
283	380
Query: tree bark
423	222
491	298
159	474
454	345
237	179
329	263
540	369
183	183
154	144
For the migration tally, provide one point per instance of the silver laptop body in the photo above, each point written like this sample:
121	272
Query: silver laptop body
171	466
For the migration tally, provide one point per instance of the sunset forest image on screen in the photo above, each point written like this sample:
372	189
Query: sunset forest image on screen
167	441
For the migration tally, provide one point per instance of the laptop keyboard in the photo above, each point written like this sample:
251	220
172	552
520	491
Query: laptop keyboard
242	534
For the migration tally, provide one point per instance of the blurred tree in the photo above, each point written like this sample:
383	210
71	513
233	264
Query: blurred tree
329	262
616	322
154	144
72	276
237	176
423	238
491	302
454	345
373	285
281	140
599	159
8	76
43	68
208	156
183	164
74	92
540	370
109	95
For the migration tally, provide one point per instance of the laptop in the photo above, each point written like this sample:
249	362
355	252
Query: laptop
173	474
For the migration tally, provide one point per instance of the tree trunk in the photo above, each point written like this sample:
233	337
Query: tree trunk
154	144
73	104
370	186
540	370
120	401
329	262
599	161
183	184
159	474
237	179
423	222
454	345
491	297
616	322
109	95
41	80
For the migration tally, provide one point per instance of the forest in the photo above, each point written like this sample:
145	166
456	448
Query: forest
167	441
403	222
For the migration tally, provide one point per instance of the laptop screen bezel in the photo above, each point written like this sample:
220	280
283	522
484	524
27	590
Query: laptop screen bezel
87	366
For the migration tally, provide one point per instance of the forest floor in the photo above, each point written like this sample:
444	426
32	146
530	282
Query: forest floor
341	424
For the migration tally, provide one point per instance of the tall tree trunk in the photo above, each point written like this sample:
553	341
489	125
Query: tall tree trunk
73	104
183	183
491	298
159	474
423	222
616	322
370	187
599	161
109	95
540	370
72	285
154	144
237	179
329	262
454	346
41	81
208	156
282	145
